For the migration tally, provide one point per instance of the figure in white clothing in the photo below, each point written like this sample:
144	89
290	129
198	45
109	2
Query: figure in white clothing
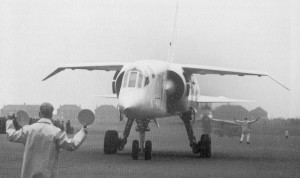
245	128
286	134
42	142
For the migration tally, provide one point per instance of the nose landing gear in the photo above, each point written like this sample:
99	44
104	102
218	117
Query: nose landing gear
112	142
136	150
148	150
142	147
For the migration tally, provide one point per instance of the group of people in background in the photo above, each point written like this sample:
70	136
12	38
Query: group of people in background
58	123
246	129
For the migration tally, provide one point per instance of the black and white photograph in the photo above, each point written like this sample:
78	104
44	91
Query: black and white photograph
161	88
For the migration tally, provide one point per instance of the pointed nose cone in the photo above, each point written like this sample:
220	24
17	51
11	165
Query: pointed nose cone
126	104
129	105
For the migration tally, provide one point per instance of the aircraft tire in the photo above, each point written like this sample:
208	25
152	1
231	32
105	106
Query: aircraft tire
111	142
208	147
135	149
200	148
205	146
148	150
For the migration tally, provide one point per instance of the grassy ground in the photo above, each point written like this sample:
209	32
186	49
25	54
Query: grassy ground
266	156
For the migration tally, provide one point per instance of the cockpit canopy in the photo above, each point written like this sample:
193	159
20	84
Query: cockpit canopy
133	79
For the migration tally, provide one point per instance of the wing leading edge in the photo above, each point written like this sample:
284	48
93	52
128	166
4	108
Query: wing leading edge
203	70
219	99
114	66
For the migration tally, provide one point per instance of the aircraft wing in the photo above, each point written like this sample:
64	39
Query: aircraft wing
203	70
224	121
218	121
219	99
225	127
115	66
219	127
106	96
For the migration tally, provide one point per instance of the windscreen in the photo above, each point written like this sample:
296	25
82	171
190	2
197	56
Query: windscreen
132	79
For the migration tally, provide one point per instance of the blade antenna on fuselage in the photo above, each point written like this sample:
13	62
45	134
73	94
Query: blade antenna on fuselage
172	41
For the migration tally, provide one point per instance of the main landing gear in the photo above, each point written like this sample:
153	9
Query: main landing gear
112	142
203	146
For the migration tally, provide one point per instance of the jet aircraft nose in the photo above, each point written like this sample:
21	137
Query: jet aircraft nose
129	104
126	104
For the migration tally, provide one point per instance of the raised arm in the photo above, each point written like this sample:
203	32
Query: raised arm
71	144
239	122
14	135
251	122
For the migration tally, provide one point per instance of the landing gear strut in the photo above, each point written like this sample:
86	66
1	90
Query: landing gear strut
142	146
123	141
204	145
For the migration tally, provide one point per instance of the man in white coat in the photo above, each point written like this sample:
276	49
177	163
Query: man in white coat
42	142
245	128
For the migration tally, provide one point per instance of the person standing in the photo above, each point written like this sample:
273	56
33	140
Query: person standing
245	128
68	127
286	134
62	125
42	142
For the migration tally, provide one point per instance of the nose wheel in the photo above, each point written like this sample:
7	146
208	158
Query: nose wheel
148	150
136	150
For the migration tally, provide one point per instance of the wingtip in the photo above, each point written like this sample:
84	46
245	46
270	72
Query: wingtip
53	73
277	81
45	78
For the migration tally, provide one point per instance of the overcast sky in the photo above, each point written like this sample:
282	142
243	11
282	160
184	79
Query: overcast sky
36	36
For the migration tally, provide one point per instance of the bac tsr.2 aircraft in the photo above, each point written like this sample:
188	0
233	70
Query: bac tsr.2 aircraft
149	89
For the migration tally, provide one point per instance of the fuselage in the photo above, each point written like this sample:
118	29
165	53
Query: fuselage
153	89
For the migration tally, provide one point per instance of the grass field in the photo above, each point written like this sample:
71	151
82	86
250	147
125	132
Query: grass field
266	156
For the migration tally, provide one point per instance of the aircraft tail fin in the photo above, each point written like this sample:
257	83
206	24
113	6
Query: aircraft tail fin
172	41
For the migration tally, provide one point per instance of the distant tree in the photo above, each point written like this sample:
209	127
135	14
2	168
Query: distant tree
258	112
228	112
107	112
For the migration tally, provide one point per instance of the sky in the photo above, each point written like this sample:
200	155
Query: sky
37	36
